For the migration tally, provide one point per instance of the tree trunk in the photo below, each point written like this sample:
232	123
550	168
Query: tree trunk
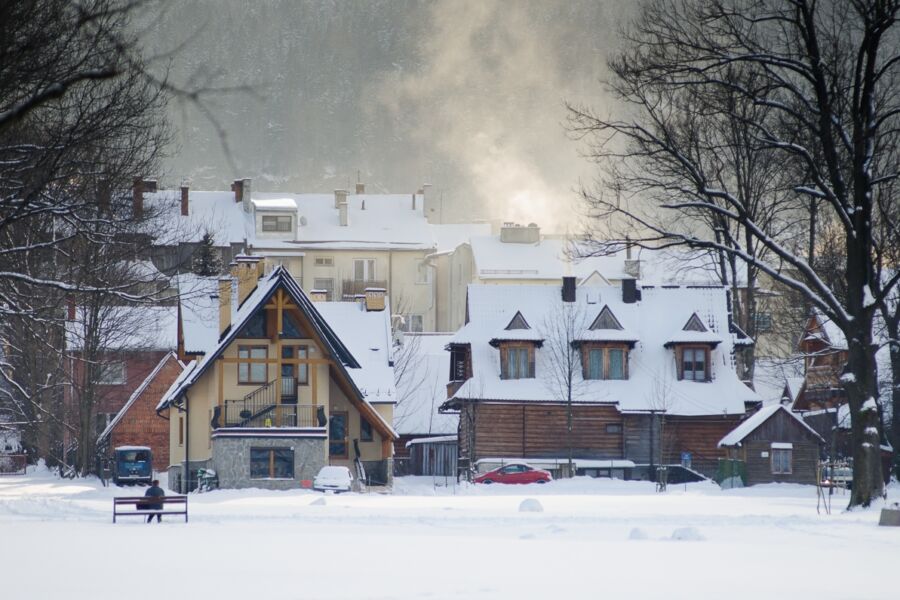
868	482
895	401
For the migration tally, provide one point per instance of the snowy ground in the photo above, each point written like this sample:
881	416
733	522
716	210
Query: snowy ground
594	538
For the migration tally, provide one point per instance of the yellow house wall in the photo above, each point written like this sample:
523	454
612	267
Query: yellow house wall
368	450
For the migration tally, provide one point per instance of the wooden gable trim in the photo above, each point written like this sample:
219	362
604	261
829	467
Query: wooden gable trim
695	324
606	314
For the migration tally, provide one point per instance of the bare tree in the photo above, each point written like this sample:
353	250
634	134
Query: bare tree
561	351
823	78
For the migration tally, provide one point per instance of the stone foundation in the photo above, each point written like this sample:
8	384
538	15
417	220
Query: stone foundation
231	460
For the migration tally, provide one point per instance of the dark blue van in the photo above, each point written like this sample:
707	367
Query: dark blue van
133	464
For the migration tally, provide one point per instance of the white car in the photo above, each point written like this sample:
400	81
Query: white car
335	479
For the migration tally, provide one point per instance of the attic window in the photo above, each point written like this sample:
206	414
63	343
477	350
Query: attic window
518	322
606	320
695	324
289	327
276	223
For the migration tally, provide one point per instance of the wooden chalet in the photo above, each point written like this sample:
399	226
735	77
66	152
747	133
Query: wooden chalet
656	382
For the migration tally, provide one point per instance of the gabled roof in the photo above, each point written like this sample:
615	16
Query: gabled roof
739	433
517	329
137	394
694	332
334	347
606	320
821	328
606	327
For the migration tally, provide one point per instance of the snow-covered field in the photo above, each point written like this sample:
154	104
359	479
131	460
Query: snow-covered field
592	539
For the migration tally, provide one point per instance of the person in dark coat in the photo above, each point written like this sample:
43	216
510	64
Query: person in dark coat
154	491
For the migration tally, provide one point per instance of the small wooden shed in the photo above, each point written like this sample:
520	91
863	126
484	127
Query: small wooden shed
776	446
433	456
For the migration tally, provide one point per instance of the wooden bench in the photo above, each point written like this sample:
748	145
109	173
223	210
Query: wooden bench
137	502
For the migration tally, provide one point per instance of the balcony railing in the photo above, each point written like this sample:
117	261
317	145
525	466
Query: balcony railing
356	287
246	413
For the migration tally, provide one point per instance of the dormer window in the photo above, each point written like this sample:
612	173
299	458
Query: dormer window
604	361
517	360
606	320
275	223
695	363
517	322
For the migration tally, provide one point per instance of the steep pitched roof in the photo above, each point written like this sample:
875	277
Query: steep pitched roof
279	278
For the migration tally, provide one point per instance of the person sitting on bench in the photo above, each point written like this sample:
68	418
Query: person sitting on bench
154	491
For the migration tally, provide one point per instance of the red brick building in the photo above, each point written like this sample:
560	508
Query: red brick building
137	423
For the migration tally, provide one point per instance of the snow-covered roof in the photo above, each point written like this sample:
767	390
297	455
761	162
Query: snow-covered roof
367	334
737	435
363	372
447	237
827	332
652	381
213	212
126	328
772	375
423	386
546	259
104	435
437	439
199	297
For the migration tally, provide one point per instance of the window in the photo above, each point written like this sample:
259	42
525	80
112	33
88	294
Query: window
693	364
276	223
111	373
365	430
423	272
363	269
613	428
763	322
271	463
518	363
255	326
782	461
253	372
411	324
326	284
298	371
337	435
458	363
324	261
605	363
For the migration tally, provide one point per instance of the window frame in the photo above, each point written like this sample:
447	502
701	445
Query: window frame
530	366
249	365
781	452
368	274
296	350
605	369
365	430
323	261
278	220
122	377
270	463
706	363
346	439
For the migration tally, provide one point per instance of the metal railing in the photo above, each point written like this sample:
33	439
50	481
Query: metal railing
355	287
244	413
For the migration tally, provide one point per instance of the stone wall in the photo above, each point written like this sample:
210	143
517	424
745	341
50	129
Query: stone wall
231	460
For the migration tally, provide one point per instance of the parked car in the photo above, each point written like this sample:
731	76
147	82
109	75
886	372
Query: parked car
515	473
336	479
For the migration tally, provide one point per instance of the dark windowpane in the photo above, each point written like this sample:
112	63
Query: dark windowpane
259	463
337	433
255	327
365	430
596	364
616	364
283	463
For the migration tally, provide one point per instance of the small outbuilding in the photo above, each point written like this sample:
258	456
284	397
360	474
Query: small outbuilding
776	446
433	455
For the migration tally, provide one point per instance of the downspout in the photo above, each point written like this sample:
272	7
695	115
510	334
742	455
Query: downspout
186	480
390	274
429	262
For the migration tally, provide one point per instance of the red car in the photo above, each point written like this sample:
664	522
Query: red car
515	473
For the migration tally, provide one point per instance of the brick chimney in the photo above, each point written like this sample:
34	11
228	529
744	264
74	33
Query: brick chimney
318	295
70	308
224	303
238	188
185	200
339	196
360	188
246	271
630	292
375	298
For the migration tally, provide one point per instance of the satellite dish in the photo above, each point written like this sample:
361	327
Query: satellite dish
303	221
